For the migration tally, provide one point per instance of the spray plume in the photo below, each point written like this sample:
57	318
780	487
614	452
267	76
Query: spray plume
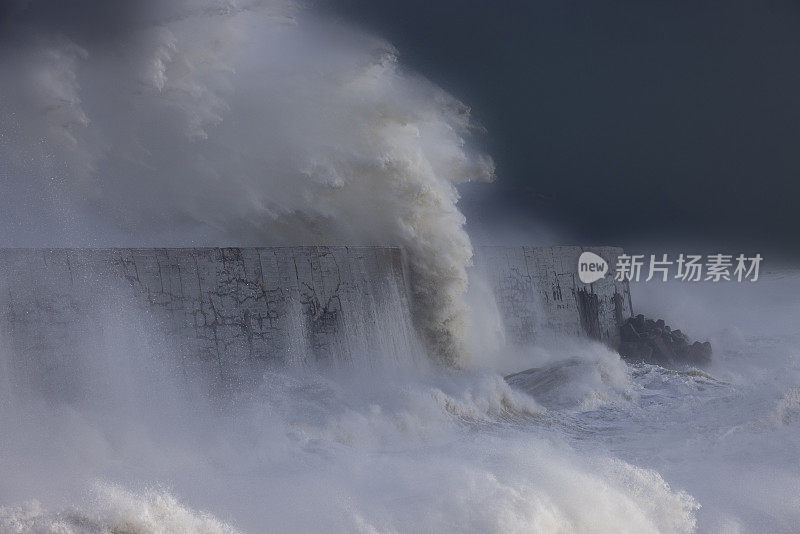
238	123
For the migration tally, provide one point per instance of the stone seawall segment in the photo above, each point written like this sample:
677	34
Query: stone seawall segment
225	307
539	293
229	308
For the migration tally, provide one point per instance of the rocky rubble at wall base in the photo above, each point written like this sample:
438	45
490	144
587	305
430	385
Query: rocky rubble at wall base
649	341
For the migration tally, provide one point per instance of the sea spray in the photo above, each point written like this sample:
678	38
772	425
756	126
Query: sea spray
239	123
114	509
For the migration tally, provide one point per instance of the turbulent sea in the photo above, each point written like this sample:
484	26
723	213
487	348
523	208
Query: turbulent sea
586	443
261	122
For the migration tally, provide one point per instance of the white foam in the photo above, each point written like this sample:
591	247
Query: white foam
114	509
234	124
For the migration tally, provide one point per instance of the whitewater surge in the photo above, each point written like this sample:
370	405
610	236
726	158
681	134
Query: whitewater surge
354	451
131	441
253	123
238	123
114	510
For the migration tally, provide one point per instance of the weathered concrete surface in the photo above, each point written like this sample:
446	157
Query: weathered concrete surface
226	308
539	294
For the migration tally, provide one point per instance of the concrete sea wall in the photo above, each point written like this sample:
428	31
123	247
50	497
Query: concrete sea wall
539	294
230	307
224	307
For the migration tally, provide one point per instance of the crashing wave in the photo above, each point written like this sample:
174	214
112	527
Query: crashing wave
114	510
241	123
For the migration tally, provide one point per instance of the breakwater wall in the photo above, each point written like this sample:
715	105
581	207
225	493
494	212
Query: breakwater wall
230	307
538	293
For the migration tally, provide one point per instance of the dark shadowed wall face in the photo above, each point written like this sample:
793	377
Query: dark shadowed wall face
644	124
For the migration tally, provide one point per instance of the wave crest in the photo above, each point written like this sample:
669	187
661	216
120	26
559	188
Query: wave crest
114	510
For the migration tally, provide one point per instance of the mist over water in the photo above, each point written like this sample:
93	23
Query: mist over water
239	123
391	447
586	444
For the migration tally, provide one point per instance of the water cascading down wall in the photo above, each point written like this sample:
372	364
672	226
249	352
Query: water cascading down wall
232	309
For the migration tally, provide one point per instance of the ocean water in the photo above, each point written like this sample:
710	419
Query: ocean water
229	123
586	443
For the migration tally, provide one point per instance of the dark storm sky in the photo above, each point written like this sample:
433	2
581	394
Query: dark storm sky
626	122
